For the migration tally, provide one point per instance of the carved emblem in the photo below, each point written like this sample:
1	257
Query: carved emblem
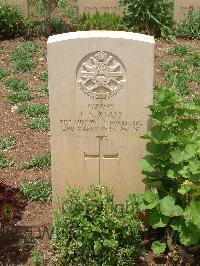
100	75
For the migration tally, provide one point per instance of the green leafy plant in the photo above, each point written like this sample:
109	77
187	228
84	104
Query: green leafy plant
6	143
184	72
158	247
33	110
12	205
44	76
107	21
93	230
172	167
19	96
4	73
153	17
180	50
4	163
12	21
40	123
15	84
38	162
37	190
44	90
22	56
37	257
190	27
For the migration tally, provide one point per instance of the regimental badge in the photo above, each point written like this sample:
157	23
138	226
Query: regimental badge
101	75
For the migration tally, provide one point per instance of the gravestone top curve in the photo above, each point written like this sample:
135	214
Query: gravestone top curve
101	34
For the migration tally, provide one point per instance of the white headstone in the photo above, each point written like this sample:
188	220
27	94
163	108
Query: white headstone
100	84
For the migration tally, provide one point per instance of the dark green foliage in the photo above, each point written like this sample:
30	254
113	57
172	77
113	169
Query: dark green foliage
33	110
93	230
37	190
4	73
38	162
12	205
58	25
172	167
107	21
12	21
190	27
22	56
153	17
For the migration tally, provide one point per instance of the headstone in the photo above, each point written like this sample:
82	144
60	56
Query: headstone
100	84
181	8
22	4
103	6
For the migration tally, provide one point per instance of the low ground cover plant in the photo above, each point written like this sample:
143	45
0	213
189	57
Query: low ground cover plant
5	163
172	169
6	143
38	162
93	230
37	190
39	123
22	56
33	110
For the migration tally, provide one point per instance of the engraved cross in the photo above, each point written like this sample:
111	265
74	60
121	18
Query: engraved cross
100	156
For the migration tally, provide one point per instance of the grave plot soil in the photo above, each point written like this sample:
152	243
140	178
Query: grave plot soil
32	231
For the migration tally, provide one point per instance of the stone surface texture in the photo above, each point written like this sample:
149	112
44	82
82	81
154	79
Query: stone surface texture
100	84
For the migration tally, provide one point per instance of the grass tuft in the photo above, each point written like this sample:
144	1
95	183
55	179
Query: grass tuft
40	123
6	143
4	163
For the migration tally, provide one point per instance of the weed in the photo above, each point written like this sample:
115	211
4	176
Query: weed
37	191
40	123
23	56
44	76
4	163
33	109
6	143
4	73
180	50
38	162
19	96
44	90
36	257
15	84
93	230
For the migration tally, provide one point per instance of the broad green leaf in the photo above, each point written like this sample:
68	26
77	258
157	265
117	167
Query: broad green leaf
192	213
146	164
185	188
156	219
97	247
189	237
158	247
168	207
148	200
152	182
171	174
